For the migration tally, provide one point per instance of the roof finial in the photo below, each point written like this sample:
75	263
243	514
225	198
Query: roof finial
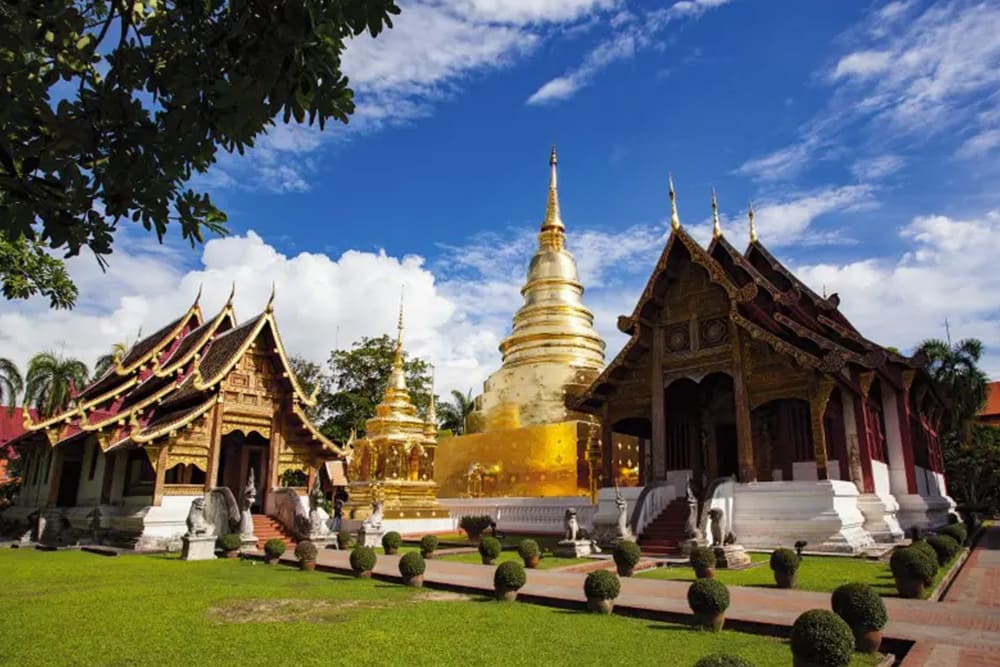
753	224
399	325
675	221
232	294
270	300
197	297
431	411
553	220
716	227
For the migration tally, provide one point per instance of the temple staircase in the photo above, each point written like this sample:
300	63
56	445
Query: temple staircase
664	535
267	527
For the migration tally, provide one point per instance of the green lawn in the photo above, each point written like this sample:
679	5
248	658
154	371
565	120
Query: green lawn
70	607
816	573
546	563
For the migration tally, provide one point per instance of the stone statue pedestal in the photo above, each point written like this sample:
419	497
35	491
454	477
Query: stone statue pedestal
731	557
198	547
370	536
573	548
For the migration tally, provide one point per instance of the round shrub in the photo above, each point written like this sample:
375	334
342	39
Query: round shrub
474	525
510	575
362	559
723	660
602	585
820	637
391	540
428	543
784	560
528	549
860	606
306	551
411	564
274	548
345	539
923	547
702	558
910	563
955	531
490	548
627	554
945	547
230	542
708	596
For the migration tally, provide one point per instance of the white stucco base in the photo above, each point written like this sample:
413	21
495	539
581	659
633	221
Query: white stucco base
881	521
823	513
404	527
924	511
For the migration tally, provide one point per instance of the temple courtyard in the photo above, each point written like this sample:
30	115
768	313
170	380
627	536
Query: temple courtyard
161	610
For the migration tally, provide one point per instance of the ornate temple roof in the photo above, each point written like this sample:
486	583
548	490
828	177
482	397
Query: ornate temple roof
767	301
171	378
553	325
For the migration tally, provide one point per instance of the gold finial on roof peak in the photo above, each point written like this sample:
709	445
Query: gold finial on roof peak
553	219
197	297
270	300
753	223
716	226
675	220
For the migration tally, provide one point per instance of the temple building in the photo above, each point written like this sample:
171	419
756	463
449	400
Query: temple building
198	405
746	387
394	463
523	438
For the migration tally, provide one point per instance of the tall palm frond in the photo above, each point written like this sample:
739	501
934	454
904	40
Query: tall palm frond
50	381
11	384
955	368
105	361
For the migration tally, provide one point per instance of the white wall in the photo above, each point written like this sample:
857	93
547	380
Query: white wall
880	478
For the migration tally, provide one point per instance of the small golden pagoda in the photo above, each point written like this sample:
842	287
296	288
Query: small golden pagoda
521	439
394	462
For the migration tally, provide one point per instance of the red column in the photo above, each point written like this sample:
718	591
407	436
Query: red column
864	443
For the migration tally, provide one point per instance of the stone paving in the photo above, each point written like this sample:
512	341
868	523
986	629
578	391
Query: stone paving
961	631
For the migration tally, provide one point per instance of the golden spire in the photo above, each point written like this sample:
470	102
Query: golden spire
197	297
753	224
397	379
716	227
675	221
552	217
431	411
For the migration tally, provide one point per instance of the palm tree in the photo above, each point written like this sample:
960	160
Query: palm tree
104	362
51	380
955	368
453	413
11	384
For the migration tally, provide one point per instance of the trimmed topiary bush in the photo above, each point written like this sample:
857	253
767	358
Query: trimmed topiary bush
785	561
306	551
708	596
411	564
391	541
428	543
702	558
528	549
509	575
489	549
345	539
910	563
363	559
475	525
860	606
602	585
820	637
923	547
274	548
944	546
723	660
955	531
626	555
230	542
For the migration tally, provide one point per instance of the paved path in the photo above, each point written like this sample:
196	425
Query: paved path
962	631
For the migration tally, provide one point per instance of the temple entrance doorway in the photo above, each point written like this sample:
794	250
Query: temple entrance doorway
239	454
726	458
69	478
701	428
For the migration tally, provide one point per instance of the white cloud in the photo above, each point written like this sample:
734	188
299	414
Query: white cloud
874	168
947	272
529	11
781	164
861	64
980	144
630	34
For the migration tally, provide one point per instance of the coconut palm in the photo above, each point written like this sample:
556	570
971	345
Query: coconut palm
453	413
105	361
51	380
955	367
11	384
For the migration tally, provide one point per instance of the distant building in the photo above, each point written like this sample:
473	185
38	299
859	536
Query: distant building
11	426
990	414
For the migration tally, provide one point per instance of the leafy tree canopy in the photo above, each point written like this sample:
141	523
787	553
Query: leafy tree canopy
955	369
357	381
454	412
107	108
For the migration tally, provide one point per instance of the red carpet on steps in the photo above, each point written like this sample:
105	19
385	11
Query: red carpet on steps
266	528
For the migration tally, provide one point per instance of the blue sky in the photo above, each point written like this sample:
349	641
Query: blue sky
867	135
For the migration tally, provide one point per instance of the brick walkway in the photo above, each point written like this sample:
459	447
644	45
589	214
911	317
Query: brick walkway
962	631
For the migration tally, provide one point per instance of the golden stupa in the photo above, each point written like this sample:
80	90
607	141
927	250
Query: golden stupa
521	439
394	462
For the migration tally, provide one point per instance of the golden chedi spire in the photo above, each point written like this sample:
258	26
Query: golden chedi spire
396	398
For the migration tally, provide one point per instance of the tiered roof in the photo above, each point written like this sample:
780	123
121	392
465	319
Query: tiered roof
767	301
169	379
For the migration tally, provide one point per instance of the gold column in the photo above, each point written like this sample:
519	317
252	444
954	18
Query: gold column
214	444
819	396
744	435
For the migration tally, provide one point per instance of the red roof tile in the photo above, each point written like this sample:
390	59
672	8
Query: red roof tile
12	424
992	407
